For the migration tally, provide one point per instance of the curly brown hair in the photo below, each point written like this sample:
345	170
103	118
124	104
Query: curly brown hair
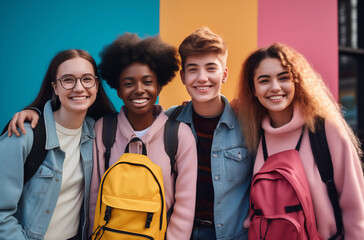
312	94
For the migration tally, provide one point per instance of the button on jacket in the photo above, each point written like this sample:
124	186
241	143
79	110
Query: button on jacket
231	170
25	211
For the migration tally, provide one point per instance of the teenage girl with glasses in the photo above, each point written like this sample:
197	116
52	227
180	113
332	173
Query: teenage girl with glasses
53	203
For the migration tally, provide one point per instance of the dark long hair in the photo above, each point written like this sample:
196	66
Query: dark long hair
99	108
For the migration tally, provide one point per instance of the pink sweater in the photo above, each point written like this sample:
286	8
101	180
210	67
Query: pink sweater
348	175
181	221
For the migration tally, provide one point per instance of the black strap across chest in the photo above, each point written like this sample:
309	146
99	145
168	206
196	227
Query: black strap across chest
264	145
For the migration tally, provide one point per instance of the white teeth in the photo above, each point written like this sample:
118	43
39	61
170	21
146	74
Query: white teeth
78	98
139	100
202	88
275	97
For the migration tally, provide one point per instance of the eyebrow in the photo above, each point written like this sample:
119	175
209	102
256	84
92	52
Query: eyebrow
71	75
195	65
131	78
279	74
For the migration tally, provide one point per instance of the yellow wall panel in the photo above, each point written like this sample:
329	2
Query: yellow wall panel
234	20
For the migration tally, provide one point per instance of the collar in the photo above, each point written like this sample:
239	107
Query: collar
50	126
227	117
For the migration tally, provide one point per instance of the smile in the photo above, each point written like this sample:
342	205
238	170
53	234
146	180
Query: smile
139	101
202	88
78	98
276	97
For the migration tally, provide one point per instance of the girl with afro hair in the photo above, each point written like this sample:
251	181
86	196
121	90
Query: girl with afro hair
138	69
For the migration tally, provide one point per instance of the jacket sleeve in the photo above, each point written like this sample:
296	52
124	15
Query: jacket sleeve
98	170
181	221
14	151
348	177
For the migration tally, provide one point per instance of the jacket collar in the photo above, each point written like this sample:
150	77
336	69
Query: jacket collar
227	117
50	126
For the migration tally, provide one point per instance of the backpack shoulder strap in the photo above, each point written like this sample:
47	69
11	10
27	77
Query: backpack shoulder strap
321	153
38	152
171	146
109	125
171	137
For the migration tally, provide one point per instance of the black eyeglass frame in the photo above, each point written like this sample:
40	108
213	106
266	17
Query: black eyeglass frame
77	78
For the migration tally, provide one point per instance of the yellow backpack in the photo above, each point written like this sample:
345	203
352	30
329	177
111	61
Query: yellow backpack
131	200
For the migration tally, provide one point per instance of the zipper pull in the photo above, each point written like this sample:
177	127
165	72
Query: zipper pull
149	220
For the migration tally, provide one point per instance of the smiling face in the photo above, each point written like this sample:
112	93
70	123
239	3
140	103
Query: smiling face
138	88
203	76
78	99
275	90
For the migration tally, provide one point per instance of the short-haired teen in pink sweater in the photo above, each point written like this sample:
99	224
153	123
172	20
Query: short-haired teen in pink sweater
280	92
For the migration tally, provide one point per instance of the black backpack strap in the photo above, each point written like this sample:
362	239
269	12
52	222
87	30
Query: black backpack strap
321	153
109	125
136	139
171	145
264	146
171	142
171	137
38	152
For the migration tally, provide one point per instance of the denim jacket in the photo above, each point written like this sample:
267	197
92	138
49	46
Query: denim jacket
26	210
231	170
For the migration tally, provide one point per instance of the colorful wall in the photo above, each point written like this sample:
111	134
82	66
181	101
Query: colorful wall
33	31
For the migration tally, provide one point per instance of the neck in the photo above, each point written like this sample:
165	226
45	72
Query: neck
140	122
279	119
211	108
69	120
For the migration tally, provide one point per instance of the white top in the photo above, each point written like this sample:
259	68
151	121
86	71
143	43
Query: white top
66	217
141	133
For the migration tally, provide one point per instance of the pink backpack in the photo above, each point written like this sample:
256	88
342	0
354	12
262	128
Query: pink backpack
280	201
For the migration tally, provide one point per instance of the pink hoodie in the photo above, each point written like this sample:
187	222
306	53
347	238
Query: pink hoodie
181	221
348	175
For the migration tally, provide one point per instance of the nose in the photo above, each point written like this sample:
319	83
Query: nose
78	86
202	76
139	88
276	86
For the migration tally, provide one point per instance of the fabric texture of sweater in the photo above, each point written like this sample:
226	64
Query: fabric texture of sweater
348	175
181	221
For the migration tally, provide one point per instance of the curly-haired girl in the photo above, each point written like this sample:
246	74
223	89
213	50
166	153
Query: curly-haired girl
280	92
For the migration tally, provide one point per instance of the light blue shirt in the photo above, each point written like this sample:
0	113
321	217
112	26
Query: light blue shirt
26	210
231	170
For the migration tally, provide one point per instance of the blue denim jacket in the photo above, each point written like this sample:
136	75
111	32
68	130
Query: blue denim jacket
25	211
231	170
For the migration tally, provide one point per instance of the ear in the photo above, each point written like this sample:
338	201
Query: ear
97	85
182	74
54	85
159	89
118	91
225	75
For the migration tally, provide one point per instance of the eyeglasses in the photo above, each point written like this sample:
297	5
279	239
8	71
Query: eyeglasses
69	81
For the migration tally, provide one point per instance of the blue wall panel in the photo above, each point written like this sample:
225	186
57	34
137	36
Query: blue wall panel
32	32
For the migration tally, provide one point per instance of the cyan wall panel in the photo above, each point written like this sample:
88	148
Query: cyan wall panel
32	32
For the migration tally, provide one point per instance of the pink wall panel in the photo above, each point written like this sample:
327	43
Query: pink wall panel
309	26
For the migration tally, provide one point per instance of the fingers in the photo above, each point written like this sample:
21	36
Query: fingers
12	128
34	121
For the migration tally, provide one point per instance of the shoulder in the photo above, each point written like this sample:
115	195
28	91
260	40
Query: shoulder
184	131
170	110
25	142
